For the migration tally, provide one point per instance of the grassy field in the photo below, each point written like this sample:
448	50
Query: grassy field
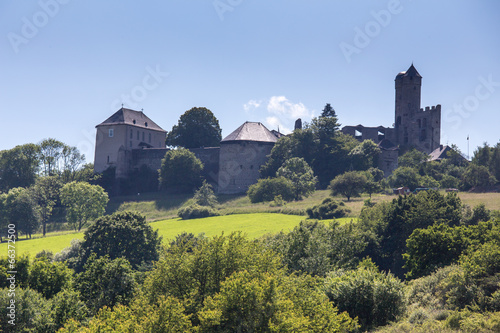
253	225
239	215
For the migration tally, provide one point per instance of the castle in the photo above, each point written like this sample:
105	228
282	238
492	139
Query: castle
129	140
414	127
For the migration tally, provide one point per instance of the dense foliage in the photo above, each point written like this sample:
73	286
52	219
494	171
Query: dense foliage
180	171
197	127
121	235
328	209
374	297
196	211
269	188
300	174
349	184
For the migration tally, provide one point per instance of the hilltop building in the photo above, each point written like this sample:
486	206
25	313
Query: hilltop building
121	138
242	153
414	127
129	140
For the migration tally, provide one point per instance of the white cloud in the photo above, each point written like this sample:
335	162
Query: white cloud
251	104
281	106
276	124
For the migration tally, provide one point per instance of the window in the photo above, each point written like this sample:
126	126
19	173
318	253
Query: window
142	136
131	134
108	159
111	132
419	123
149	138
424	123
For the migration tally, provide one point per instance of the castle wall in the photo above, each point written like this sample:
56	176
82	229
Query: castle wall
240	162
425	130
210	159
388	161
376	134
151	157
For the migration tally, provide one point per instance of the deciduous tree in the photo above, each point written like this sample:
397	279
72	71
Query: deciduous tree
300	174
84	202
197	127
180	171
121	235
349	184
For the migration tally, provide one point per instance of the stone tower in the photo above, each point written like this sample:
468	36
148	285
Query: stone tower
415	127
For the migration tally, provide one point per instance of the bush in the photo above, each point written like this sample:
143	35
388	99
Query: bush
120	235
196	211
375	298
328	209
205	195
267	189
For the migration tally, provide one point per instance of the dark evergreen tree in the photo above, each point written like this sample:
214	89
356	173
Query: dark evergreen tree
328	111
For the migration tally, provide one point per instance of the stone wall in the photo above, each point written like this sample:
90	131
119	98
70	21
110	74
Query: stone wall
240	163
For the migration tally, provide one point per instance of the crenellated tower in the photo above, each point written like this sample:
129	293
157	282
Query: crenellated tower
414	126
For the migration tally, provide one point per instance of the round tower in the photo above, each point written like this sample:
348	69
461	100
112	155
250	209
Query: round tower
408	85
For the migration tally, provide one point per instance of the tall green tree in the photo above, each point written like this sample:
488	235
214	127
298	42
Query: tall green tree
120	235
477	175
105	282
365	155
300	174
84	202
197	127
349	184
72	163
405	176
46	193
328	111
392	223
19	166
22	210
50	153
413	158
180	171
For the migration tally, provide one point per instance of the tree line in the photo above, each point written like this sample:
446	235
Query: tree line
400	261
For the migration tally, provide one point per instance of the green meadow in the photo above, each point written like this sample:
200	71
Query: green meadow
252	225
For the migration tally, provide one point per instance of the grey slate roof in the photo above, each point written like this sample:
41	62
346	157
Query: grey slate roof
439	153
133	118
251	131
412	71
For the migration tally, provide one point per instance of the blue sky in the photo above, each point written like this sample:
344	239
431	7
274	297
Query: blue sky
67	65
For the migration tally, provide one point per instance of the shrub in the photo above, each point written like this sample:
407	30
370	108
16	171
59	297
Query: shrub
267	189
374	297
196	211
328	209
205	195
